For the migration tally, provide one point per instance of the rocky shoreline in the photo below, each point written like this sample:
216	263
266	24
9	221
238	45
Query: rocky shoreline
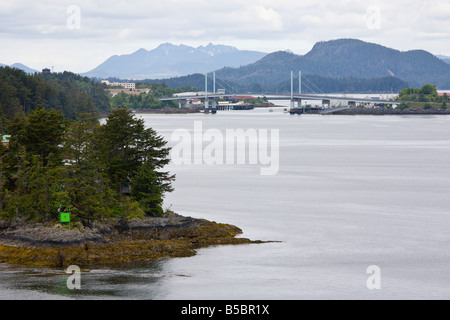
113	242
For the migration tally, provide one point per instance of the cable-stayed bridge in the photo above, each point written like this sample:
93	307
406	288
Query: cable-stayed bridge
210	99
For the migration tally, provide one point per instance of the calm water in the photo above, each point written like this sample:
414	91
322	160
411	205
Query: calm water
352	191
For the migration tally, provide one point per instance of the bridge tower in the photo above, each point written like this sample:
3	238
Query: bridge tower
206	91
292	91
213	99
214	104
298	109
299	101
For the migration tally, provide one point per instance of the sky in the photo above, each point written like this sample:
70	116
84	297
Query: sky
78	35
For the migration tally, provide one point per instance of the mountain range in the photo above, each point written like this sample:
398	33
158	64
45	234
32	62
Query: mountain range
345	58
342	65
169	60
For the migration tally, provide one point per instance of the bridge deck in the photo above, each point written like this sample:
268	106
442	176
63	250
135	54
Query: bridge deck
271	96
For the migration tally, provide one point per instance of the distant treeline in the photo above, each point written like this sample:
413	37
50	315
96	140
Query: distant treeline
428	93
68	93
310	84
426	97
74	96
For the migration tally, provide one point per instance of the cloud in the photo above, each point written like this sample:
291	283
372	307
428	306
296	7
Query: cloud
269	17
116	27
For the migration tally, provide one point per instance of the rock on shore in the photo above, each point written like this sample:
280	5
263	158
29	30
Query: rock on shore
112	242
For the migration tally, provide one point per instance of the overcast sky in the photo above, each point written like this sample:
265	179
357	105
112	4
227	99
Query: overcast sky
78	35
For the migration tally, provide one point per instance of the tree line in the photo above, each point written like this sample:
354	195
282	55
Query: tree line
427	95
68	93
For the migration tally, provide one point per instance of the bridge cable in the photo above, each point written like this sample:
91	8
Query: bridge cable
225	84
308	87
311	83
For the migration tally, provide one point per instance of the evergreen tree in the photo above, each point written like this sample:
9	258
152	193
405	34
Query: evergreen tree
36	201
3	177
126	144
85	183
41	133
129	152
148	190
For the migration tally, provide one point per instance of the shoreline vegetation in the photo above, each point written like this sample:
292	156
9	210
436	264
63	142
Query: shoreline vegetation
112	242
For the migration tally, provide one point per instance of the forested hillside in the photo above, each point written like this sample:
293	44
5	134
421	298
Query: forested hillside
344	59
310	84
68	93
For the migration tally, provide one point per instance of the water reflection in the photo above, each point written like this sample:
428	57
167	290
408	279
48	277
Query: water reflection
130	281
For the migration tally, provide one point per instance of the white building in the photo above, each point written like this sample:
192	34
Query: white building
130	86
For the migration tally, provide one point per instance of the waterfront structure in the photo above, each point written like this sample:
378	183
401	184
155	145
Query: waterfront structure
136	92
126	85
5	140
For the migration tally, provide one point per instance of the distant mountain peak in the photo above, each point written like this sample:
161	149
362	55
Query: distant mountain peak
170	60
21	67
140	52
166	45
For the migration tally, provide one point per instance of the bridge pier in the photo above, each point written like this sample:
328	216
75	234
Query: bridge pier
182	102
326	102
210	104
296	101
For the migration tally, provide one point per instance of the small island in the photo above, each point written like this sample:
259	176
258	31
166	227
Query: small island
88	192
